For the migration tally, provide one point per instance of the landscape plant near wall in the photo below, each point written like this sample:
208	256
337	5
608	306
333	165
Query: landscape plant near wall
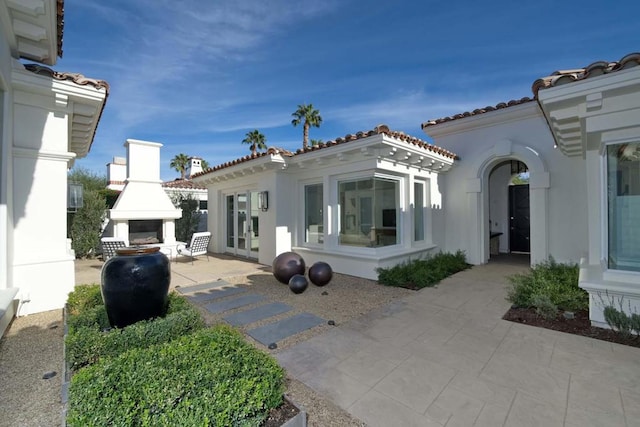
188	223
166	371
549	286
87	224
421	273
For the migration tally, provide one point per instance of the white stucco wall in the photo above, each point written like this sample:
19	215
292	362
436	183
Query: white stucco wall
486	140
43	263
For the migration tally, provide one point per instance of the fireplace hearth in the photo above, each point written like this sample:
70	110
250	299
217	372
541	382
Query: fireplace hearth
145	232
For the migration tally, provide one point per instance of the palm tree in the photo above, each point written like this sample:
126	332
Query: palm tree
306	115
316	142
179	163
256	139
204	164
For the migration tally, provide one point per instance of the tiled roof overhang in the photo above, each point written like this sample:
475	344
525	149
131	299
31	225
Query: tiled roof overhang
477	112
35	29
83	123
584	106
278	154
598	68
183	184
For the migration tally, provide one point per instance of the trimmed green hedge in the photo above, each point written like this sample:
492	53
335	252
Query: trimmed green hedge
418	274
549	284
211	377
90	337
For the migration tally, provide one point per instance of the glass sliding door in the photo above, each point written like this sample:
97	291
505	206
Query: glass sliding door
242	224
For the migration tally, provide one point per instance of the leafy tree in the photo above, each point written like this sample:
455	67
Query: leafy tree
315	142
179	163
308	116
89	179
256	139
91	215
87	224
188	224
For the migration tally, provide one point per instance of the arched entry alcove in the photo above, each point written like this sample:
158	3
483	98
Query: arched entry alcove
478	185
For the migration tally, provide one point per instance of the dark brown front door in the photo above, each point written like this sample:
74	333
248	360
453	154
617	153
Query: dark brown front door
519	218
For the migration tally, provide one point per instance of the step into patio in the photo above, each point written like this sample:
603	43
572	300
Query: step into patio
202	286
259	313
230	304
284	328
215	293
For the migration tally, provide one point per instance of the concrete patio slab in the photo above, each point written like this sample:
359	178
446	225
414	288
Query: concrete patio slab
274	332
443	356
259	313
230	304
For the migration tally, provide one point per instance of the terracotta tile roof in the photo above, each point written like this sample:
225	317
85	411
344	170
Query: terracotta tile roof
477	111
555	79
76	78
380	129
183	183
597	68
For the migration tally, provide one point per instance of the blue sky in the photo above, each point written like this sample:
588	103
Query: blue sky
197	75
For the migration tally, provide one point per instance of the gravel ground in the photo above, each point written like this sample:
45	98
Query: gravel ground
32	346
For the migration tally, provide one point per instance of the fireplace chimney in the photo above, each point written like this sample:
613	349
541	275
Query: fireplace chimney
143	197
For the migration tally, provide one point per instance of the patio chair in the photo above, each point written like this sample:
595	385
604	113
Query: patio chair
198	246
110	244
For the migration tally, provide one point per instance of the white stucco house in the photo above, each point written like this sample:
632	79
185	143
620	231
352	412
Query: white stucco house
378	198
364	201
47	119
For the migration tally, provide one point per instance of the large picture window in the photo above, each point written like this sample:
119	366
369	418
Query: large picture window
623	202
368	212
313	214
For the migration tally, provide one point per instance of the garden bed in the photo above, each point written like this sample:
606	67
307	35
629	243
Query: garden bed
579	325
167	370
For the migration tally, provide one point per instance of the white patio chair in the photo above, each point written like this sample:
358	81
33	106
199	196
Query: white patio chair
110	244
198	246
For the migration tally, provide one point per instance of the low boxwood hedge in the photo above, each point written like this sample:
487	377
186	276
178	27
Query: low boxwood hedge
421	273
211	377
90	337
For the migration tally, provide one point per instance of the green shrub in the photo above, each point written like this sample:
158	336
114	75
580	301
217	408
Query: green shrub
82	298
544	306
556	281
619	320
90	339
212	377
421	273
87	224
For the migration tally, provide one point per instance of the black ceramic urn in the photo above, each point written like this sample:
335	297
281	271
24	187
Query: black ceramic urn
135	285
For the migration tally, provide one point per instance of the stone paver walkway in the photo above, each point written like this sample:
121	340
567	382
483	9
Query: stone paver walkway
444	357
220	297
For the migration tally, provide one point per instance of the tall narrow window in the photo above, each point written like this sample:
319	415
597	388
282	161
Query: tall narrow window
418	211
368	212
623	197
313	214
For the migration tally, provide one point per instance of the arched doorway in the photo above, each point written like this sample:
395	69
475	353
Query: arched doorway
509	211
480	217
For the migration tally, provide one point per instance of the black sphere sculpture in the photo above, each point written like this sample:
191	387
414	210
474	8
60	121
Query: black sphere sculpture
320	273
298	283
286	265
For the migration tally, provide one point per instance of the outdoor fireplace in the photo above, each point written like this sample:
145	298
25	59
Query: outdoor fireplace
145	231
144	213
